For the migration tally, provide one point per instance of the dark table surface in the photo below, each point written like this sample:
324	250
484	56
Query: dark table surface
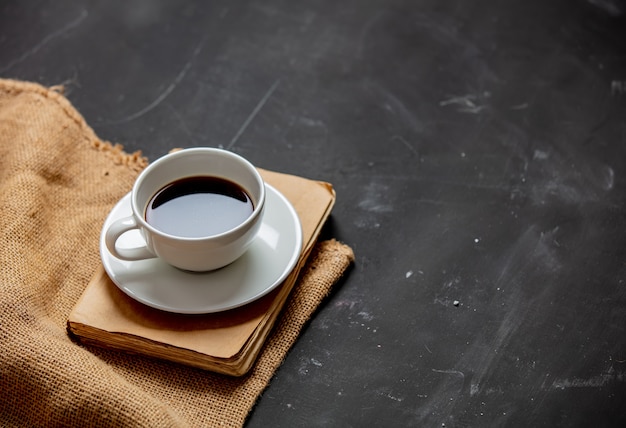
478	153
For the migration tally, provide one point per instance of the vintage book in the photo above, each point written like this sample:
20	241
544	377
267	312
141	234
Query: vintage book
225	342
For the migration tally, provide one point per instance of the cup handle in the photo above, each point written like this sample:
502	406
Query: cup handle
117	229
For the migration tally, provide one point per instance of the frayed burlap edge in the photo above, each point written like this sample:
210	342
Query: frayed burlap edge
328	262
136	161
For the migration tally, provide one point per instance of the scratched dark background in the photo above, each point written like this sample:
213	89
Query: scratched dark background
478	150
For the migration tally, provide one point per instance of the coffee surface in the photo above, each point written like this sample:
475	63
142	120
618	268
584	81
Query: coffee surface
199	206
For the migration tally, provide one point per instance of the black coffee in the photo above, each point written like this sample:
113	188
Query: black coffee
199	206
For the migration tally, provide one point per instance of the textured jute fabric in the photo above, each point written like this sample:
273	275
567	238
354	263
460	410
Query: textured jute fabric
58	182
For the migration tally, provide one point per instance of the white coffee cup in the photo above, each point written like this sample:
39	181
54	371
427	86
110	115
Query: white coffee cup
197	253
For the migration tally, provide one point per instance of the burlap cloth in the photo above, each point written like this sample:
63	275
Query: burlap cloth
58	182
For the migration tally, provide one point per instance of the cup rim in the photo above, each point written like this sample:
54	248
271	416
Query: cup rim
138	213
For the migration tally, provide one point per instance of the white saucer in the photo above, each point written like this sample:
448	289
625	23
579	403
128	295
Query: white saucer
268	261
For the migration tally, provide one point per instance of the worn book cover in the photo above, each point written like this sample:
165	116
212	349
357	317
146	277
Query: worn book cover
226	342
